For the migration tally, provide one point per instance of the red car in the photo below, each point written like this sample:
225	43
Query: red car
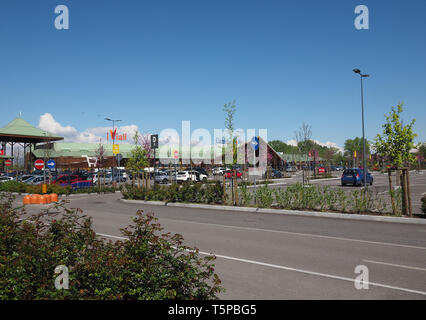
230	173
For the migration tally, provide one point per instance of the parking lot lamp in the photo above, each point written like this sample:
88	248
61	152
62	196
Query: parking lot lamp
363	131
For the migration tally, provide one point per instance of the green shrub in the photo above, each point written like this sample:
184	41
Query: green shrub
188	192
246	196
264	197
150	265
20	187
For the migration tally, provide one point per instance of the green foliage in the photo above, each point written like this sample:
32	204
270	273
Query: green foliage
280	146
324	198
150	265
356	144
138	157
397	139
246	196
20	187
264	197
188	192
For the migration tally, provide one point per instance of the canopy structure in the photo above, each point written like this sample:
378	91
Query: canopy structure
20	132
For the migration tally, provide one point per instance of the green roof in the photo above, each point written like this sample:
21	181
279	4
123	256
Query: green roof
71	149
21	128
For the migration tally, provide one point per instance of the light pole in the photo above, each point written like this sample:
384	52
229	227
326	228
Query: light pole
113	138
364	162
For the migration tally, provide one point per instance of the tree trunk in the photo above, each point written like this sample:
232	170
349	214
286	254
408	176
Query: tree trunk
409	193
403	195
391	192
224	190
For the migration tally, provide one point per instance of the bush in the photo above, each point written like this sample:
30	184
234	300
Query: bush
188	192
150	265
264	197
20	187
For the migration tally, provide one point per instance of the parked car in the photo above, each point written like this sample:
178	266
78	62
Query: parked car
184	176
202	171
38	180
162	177
219	171
276	173
355	177
107	178
290	169
72	180
5	179
230	173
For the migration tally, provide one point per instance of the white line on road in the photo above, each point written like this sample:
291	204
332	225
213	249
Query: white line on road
300	234
395	265
319	274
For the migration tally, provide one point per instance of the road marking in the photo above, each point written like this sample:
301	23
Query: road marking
300	234
110	236
319	274
395	265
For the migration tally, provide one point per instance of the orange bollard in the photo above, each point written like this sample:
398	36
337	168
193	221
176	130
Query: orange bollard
27	199
44	199
35	199
53	197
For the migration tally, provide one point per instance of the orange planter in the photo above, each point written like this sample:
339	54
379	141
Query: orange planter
35	199
27	199
45	199
53	197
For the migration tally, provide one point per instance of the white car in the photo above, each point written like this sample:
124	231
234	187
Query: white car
108	178
219	171
184	176
5	179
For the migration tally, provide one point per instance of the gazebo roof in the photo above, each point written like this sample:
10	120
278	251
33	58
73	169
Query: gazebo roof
20	130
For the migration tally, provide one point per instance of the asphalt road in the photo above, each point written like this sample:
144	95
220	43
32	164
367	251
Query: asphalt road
267	256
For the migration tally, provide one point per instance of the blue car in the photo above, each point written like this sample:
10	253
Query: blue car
355	177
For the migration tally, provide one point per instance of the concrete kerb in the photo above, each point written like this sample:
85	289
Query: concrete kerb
284	212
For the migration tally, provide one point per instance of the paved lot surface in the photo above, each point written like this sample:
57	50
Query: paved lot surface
267	256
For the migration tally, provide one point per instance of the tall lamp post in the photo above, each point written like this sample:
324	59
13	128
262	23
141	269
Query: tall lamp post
113	138
363	130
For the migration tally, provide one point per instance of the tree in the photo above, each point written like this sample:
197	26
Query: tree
138	158
356	145
397	139
303	139
100	158
395	145
281	146
230	108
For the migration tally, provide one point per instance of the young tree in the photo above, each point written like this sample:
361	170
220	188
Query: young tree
138	158
230	108
395	144
303	138
100	156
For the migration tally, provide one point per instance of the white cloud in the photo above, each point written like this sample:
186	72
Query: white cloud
89	135
292	142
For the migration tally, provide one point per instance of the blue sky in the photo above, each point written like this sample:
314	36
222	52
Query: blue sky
156	63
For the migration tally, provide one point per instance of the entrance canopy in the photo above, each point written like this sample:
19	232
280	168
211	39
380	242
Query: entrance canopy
21	131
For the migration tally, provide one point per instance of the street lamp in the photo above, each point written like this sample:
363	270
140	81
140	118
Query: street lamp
113	138
363	131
